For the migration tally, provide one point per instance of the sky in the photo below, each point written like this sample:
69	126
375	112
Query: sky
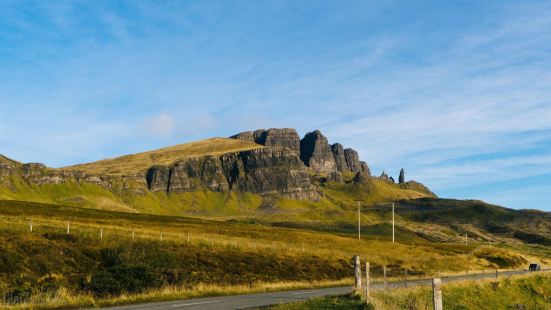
458	93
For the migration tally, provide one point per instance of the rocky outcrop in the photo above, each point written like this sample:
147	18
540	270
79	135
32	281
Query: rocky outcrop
245	136
196	174
272	172
340	160
402	177
314	150
282	168
157	178
336	177
353	160
316	153
275	137
365	168
361	177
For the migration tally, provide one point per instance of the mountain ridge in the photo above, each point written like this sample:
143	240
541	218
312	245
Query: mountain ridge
248	169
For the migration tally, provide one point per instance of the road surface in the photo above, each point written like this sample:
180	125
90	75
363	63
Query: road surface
267	299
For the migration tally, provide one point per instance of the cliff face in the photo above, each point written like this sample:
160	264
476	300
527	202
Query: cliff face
314	150
273	163
316	153
275	172
275	137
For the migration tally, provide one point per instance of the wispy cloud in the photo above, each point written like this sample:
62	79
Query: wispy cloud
161	125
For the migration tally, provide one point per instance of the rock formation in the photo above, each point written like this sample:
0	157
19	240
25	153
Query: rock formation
280	169
365	168
313	149
402	177
353	160
279	137
316	153
274	172
340	160
361	177
246	136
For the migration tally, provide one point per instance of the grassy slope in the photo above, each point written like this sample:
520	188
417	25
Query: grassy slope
202	203
30	262
138	163
526	292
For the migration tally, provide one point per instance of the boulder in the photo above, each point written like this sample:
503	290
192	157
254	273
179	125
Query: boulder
316	153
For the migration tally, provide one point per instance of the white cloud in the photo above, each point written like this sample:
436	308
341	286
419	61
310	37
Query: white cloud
161	125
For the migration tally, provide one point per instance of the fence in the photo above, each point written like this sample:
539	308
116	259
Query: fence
435	282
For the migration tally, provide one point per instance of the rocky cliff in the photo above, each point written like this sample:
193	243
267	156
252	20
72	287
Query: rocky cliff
273	172
314	150
316	153
283	137
273	163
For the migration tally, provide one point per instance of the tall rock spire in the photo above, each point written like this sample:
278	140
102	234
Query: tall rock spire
402	178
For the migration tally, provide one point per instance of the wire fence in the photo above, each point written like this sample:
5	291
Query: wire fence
98	232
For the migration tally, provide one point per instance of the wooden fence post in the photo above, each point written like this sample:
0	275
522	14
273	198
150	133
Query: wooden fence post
132	234
406	278
437	294
31	225
367	281
496	273
384	276
68	227
357	272
101	233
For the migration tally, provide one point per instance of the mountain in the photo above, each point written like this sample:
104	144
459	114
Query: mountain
269	175
218	176
272	176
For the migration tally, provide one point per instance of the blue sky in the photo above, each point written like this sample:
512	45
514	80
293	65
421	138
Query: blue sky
456	92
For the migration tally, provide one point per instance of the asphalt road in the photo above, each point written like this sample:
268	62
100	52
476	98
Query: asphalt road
267	299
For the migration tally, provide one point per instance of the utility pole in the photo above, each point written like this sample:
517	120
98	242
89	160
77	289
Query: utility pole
359	221
393	222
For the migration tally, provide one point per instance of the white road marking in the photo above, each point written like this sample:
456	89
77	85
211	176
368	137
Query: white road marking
196	303
298	293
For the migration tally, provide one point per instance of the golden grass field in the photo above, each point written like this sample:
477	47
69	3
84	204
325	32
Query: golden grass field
136	163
